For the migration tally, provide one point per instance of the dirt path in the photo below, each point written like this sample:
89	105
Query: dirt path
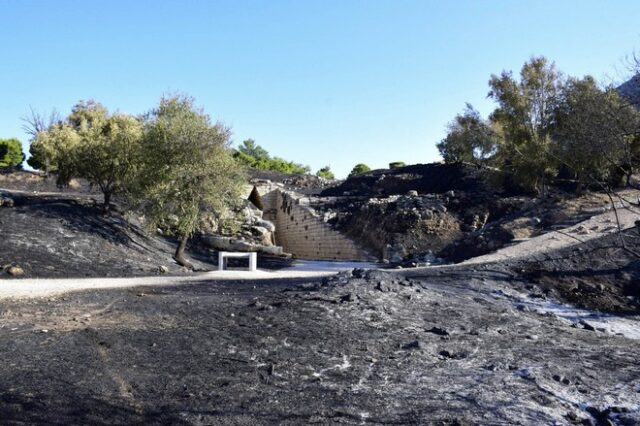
595	227
28	288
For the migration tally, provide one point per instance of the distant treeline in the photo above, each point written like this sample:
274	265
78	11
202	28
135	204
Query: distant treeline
256	157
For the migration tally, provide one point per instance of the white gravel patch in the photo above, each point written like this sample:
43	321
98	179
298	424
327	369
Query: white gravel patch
44	287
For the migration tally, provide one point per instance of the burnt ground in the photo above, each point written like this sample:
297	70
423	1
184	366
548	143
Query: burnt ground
598	275
426	213
433	346
66	235
361	348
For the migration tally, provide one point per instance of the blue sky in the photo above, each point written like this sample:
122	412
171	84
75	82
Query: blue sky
334	82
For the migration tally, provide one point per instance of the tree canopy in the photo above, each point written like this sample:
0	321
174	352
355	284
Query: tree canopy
256	157
525	115
359	169
548	126
187	169
93	145
469	139
11	154
325	173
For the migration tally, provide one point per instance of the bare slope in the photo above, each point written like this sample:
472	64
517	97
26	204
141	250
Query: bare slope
367	348
66	235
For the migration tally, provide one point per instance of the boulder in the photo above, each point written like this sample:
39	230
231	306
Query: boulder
240	245
259	231
268	239
263	223
272	250
15	270
217	242
250	211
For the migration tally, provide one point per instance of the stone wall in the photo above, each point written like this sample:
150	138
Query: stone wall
268	193
301	231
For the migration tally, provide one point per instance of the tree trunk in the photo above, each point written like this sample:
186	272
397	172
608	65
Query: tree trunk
179	256
107	202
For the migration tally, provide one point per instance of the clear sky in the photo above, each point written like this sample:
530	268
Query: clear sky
314	81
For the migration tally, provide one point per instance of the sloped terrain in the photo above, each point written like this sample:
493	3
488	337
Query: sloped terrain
433	213
456	345
66	235
599	275
361	348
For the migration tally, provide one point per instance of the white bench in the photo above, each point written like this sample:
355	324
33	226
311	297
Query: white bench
224	255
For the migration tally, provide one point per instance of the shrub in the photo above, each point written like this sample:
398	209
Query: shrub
359	169
325	173
254	156
11	154
396	164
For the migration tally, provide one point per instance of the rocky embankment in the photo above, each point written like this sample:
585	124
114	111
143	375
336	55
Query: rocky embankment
433	213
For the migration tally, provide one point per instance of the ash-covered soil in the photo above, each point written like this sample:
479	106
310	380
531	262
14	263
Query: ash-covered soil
66	235
599	275
429	213
472	344
361	348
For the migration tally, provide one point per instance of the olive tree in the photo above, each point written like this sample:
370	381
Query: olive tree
52	145
595	133
34	124
525	115
106	155
469	139
186	169
93	145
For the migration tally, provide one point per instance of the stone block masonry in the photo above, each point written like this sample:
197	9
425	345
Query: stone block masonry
302	232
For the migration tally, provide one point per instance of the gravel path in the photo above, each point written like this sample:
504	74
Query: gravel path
27	288
595	227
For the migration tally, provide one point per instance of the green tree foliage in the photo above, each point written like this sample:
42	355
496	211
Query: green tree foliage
325	173
358	169
396	164
106	155
547	126
187	169
596	133
525	115
93	145
254	156
51	145
469	139
250	148
11	154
